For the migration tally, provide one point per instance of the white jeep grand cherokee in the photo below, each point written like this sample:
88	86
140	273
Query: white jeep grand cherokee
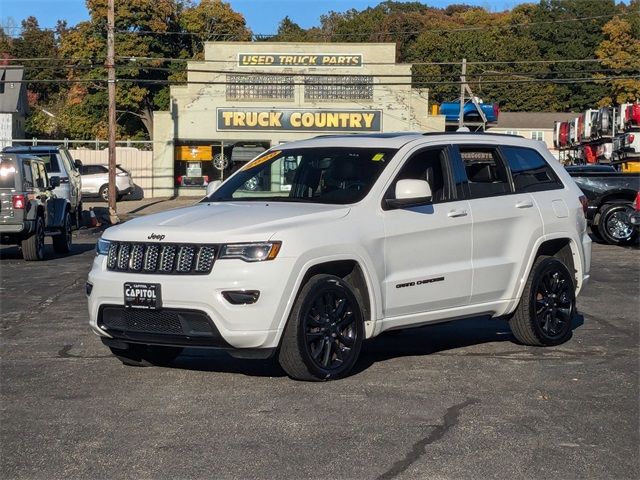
344	238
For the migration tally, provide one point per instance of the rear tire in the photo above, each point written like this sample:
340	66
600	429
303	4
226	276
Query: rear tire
614	225
324	334
104	193
62	243
137	355
547	306
33	247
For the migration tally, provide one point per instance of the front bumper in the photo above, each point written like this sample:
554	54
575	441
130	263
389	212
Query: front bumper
252	326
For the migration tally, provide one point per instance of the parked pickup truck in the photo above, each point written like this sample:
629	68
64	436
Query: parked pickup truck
610	195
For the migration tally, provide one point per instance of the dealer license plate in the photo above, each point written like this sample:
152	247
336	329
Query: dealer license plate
142	295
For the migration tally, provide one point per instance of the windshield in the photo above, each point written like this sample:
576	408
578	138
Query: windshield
319	175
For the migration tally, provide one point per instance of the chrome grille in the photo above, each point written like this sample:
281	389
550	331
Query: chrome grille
177	259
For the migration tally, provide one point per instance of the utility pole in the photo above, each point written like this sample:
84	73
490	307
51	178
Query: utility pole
111	116
463	83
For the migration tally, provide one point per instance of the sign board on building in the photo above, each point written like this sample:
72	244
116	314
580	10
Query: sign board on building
287	60
191	153
299	120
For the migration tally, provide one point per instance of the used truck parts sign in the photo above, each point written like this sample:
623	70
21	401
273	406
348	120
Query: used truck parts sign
284	60
299	120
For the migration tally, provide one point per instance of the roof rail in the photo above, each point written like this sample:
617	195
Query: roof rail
428	134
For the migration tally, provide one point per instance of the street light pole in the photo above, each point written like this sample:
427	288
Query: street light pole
111	116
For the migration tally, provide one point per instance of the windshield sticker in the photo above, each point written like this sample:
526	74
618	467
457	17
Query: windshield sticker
261	160
378	157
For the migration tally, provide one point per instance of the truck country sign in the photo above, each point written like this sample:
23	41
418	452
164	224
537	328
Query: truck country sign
295	120
285	60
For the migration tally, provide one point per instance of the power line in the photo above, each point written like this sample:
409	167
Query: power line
324	75
322	34
129	58
204	82
395	34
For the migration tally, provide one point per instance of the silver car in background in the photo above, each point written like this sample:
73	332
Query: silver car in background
95	181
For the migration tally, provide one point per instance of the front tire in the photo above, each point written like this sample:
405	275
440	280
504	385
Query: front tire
33	247
325	331
62	242
547	306
137	355
614	225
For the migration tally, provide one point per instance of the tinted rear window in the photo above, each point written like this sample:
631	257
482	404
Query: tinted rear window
530	171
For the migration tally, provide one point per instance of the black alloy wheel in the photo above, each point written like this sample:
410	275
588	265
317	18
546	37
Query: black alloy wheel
554	301
325	331
330	329
547	306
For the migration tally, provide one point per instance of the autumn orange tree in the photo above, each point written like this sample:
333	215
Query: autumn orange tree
620	52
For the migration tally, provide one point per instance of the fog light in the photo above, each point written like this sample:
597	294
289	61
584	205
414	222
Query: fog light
241	297
88	288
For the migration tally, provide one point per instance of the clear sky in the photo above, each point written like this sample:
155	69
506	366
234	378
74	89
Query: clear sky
262	16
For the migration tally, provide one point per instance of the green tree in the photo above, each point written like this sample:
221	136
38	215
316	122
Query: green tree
34	42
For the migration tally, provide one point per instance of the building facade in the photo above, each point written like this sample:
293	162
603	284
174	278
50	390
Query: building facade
13	105
533	125
247	96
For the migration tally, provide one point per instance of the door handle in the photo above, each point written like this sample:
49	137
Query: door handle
524	204
457	213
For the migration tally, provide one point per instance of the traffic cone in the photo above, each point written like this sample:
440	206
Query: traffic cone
93	220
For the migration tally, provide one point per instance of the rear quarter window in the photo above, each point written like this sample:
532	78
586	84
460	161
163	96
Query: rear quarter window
530	171
51	162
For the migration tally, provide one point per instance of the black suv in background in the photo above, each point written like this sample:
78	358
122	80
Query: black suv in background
29	210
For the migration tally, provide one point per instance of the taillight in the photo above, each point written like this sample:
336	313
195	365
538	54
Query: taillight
18	202
637	202
630	138
179	179
585	204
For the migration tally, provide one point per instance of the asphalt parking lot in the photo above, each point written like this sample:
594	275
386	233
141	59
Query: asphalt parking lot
456	400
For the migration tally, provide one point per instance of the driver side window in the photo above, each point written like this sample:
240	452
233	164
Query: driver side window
429	165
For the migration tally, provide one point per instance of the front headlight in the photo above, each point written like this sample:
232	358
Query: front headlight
102	247
251	252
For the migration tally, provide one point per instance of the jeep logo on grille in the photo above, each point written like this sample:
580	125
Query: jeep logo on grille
153	236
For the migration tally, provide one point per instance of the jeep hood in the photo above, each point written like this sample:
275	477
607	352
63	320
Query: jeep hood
224	222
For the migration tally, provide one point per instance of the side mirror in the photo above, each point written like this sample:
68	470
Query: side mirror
77	163
213	186
410	193
54	182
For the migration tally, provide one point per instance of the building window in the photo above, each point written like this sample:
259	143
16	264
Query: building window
343	87
537	135
260	87
512	132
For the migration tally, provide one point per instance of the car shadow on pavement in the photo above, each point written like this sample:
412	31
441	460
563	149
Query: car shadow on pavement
420	341
217	361
439	338
14	253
